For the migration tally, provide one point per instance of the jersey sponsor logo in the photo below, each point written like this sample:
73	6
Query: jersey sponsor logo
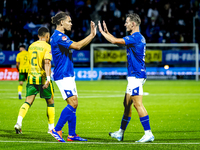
59	34
127	38
64	38
67	41
143	40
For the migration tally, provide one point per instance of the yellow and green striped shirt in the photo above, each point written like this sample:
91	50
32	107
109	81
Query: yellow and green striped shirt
38	52
23	60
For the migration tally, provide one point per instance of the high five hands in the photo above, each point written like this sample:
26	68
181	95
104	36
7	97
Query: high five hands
105	29
93	28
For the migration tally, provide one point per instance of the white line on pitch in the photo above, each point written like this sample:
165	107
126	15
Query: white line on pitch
109	143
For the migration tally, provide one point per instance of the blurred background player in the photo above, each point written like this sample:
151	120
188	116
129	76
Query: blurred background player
136	46
62	46
39	78
22	64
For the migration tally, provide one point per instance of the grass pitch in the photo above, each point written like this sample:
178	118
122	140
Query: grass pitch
173	108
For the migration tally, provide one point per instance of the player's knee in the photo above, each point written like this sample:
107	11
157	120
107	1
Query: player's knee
76	104
137	105
50	101
73	101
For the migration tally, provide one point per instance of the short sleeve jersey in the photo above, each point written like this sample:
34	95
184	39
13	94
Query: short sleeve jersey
62	55
23	60
136	47
38	52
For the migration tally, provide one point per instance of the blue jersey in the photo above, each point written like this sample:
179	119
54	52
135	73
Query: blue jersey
62	55
136	47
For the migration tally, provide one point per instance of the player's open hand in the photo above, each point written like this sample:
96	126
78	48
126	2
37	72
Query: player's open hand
105	27
93	28
45	86
100	28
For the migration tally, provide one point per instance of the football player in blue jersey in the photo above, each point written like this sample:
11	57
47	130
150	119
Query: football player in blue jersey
61	48
136	46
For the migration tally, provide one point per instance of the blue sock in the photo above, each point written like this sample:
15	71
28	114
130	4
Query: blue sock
145	122
64	117
124	122
72	124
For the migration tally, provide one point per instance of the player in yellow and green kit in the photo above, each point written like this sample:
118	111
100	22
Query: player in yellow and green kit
39	78
22	64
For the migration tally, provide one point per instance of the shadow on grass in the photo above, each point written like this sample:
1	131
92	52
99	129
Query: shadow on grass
44	136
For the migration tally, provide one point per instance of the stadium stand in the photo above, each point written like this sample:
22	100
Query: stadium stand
163	21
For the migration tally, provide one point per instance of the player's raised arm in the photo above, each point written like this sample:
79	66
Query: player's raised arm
87	40
109	37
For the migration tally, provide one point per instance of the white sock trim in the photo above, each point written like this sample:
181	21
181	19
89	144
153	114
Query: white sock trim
148	132
51	126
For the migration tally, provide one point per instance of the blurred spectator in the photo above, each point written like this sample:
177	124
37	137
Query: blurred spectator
4	7
25	4
104	11
2	31
153	13
34	6
117	13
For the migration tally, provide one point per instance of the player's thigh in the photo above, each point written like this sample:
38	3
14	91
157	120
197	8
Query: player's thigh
127	100
31	91
48	92
137	100
67	87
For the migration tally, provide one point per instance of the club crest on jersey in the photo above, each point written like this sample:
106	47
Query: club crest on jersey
64	38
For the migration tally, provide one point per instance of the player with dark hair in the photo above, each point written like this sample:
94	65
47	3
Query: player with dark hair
22	65
39	79
136	46
62	46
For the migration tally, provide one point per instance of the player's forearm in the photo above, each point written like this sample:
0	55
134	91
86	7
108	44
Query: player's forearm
85	41
17	66
109	37
110	34
47	67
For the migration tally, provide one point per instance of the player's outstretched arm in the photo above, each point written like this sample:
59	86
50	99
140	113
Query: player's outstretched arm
109	37
87	40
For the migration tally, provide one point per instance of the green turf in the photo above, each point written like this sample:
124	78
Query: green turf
173	107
